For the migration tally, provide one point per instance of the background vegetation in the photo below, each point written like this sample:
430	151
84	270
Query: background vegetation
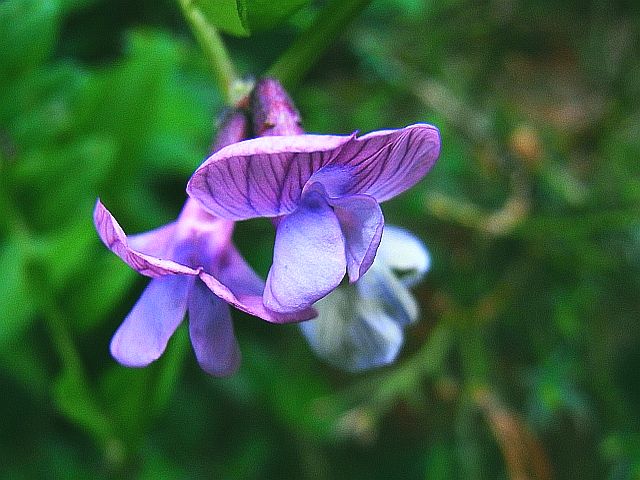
526	361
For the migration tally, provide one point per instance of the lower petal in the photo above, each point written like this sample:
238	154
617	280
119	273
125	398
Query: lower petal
362	222
309	256
144	334
211	331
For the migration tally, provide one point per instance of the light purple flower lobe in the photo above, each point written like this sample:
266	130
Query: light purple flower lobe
326	189
308	258
195	268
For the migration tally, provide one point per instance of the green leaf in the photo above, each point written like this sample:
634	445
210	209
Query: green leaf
128	392
23	361
15	303
37	105
171	366
245	17
79	405
28	32
87	159
440	462
261	15
224	15
128	97
103	287
66	249
291	391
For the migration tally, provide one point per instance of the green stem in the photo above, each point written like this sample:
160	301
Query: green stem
10	222
473	351
589	223
60	336
211	43
310	46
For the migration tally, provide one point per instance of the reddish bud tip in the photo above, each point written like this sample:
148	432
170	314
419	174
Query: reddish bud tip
273	110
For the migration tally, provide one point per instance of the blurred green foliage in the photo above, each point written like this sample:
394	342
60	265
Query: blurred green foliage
526	361
246	17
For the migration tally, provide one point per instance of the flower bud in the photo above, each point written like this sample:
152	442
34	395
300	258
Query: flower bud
232	129
273	110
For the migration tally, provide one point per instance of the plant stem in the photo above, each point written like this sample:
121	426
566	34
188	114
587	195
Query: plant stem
311	44
211	43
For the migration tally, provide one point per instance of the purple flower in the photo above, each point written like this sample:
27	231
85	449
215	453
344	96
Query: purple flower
360	326
195	268
324	192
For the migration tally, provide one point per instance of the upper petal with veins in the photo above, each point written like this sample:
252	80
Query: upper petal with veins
265	177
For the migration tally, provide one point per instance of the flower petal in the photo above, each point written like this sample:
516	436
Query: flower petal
195	224
115	239
211	331
378	338
265	177
352	333
155	243
362	222
379	285
308	258
261	177
144	334
405	254
235	281
386	163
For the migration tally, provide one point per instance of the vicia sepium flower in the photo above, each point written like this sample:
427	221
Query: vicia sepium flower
360	326
322	190
195	267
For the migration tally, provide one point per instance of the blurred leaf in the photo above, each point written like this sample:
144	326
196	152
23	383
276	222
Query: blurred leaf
76	170
64	262
124	101
259	15
28	31
290	390
440	462
23	361
130	405
62	461
38	106
223	14
623	450
16	304
103	286
555	392
245	17
158	465
137	395
250	461
471	447
171	366
79	405
72	5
